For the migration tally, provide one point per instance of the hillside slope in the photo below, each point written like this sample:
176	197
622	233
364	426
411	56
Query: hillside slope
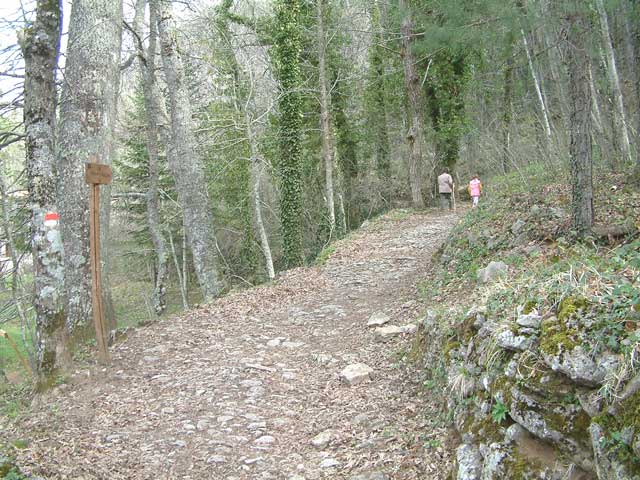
534	337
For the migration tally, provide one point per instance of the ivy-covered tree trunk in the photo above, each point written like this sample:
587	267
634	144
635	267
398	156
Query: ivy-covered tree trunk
184	162
581	164
40	47
286	58
87	119
155	116
414	107
325	116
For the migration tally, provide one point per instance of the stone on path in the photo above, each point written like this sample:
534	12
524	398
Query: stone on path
356	373
329	462
216	459
377	319
322	439
393	330
369	476
265	440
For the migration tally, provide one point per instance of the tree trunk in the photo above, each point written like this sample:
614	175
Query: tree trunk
87	118
536	83
256	178
184	163
620	118
581	165
325	118
507	106
154	112
40	48
242	103
414	110
631	47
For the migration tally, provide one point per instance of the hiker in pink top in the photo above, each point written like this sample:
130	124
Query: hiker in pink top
475	189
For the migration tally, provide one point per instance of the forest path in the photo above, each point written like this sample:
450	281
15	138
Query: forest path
239	388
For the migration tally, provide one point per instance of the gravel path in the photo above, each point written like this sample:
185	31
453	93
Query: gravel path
249	387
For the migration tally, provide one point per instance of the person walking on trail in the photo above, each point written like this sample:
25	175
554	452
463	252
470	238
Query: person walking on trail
445	189
475	189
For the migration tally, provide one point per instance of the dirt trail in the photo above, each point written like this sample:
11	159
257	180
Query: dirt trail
238	389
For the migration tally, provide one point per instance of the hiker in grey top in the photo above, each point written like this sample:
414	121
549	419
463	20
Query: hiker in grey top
445	189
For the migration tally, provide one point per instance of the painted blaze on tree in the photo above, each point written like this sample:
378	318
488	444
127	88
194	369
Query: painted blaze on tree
286	59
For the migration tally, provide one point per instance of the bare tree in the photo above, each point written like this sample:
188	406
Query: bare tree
414	96
619	119
87	118
184	162
157	136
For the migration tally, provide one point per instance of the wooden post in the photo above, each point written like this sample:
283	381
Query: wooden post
95	175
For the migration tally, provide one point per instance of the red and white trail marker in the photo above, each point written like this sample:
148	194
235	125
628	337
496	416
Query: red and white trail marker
51	219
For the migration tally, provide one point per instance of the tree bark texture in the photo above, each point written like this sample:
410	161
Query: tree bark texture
620	118
87	118
580	121
184	163
155	115
414	110
325	117
40	47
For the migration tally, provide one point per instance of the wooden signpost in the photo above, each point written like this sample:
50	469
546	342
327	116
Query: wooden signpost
97	174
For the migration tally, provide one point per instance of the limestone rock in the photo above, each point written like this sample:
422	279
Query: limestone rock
493	467
517	226
356	373
369	476
393	330
581	367
529	320
607	464
265	440
469	462
322	439
377	319
329	463
512	341
492	271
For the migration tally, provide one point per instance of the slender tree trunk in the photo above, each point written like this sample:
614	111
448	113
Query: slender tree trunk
325	117
256	178
507	106
580	120
414	108
87	117
184	163
155	114
536	83
242	102
631	48
620	118
40	47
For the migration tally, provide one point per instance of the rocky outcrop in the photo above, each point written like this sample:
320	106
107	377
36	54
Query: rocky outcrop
526	400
